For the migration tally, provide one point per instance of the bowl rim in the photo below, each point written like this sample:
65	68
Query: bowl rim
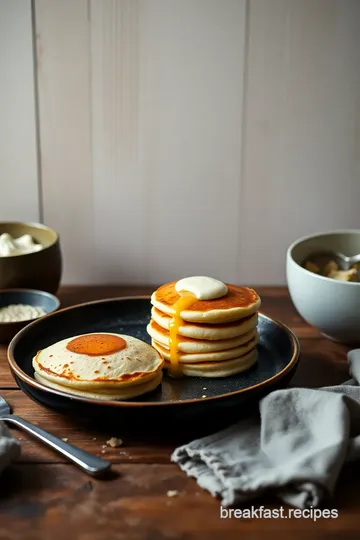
36	291
25	378
317	235
36	225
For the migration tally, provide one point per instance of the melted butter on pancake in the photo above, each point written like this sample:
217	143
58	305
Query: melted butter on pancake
185	300
96	344
204	288
236	297
199	320
189	290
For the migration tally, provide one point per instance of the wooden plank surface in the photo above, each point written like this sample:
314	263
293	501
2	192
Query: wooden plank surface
53	501
43	496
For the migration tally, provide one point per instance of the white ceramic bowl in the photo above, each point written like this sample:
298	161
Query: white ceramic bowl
331	306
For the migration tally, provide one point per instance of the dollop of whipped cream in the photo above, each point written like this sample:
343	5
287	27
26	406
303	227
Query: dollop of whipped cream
204	288
17	246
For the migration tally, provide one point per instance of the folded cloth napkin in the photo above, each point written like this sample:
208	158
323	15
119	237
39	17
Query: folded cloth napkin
9	447
296	448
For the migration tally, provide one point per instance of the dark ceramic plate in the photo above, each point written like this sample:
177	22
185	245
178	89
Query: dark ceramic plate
180	398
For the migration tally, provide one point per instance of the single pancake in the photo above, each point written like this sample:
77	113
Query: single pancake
215	356
100	363
219	369
239	302
189	345
112	394
208	331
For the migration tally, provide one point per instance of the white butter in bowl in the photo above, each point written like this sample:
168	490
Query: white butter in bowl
22	245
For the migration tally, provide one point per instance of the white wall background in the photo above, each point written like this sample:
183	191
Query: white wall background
19	192
181	137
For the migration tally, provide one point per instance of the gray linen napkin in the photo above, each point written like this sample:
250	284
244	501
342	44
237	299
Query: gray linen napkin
9	447
296	449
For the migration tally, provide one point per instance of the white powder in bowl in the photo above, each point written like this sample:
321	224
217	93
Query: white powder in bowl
20	312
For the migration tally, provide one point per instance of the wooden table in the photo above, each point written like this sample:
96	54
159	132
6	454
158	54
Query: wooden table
43	497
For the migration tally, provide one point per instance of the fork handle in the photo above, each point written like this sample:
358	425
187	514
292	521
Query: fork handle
87	462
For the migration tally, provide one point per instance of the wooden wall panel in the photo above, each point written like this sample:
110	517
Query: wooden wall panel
19	192
140	114
302	128
166	102
197	136
63	49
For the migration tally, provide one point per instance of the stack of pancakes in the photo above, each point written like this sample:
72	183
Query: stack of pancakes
216	338
100	366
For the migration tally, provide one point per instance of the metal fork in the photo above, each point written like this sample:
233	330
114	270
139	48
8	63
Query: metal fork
87	462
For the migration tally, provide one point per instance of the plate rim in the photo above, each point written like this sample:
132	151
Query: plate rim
15	368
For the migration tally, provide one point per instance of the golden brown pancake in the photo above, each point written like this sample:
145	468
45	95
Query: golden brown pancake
207	331
100	364
225	368
212	356
189	345
105	393
239	302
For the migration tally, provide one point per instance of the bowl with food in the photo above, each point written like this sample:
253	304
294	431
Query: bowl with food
325	292
19	307
30	257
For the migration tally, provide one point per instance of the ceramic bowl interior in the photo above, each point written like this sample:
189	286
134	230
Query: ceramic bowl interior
346	242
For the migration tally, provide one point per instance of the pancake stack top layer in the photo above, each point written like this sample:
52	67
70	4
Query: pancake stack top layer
100	366
203	327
